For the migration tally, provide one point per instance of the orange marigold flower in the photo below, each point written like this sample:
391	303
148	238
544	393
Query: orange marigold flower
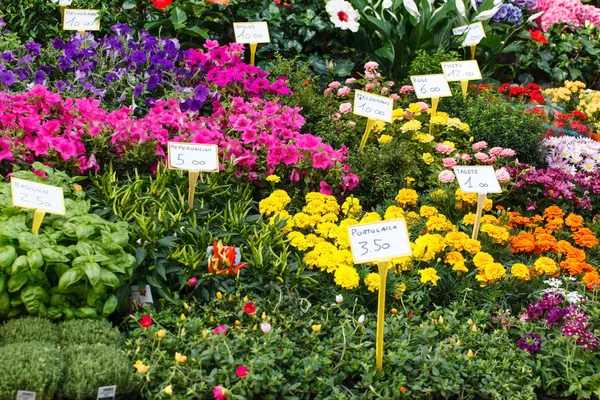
554	225
584	237
574	221
592	279
523	243
544	242
573	266
553	212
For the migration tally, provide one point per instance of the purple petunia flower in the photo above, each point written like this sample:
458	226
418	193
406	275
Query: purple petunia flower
531	342
7	78
33	48
138	57
39	77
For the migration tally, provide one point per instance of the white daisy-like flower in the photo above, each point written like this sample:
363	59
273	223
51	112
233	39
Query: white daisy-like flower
343	15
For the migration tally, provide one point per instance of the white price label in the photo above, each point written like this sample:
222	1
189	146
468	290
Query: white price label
373	106
251	32
106	392
428	86
379	241
29	194
24	395
461	70
477	179
141	298
81	20
193	157
474	33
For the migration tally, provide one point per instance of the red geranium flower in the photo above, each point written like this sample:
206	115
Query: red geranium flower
249	308
146	321
538	36
162	3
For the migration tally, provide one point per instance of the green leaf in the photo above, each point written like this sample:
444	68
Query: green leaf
178	17
4	303
3	279
52	255
8	255
84	231
107	278
386	51
109	306
20	264
92	270
129	5
35	259
195	31
33	298
29	241
16	282
69	278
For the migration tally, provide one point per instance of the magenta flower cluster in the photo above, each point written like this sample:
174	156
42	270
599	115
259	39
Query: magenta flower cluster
556	11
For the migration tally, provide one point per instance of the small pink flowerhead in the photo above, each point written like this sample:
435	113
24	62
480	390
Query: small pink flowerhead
220	329
193	281
508	153
502	175
265	327
220	393
446	176
479	146
345	108
482	157
241	371
449	162
496	151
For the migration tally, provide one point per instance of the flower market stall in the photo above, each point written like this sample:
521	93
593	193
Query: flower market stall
259	199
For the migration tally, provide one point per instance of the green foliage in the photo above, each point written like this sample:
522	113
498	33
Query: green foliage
31	366
90	366
40	20
71	268
572	54
29	329
425	63
79	332
499	124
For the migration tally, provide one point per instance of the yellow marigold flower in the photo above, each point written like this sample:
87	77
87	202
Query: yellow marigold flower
520	271
429	275
411	126
298	241
469	219
412	217
372	281
460	267
459	195
453	123
415	108
168	390
277	201
482	259
407	197
383	139
454	257
439	223
491	273
489	219
499	234
351	206
438	195
370	217
428	158
393	212
456	240
472	246
428	211
141	367
399	290
409	180
427	246
324	229
301	221
180	358
545	265
316	328
273	178
402	263
313	239
161	333
346	277
487	206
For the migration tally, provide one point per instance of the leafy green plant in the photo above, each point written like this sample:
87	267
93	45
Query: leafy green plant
29	329
71	268
31	366
93	365
85	331
425	63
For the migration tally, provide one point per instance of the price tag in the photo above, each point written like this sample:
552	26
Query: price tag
193	157
477	179
373	106
379	241
106	392
140	298
81	20
42	197
251	32
24	395
474	33
461	70
428	86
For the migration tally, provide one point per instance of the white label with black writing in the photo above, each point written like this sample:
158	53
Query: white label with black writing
477	179
42	197
81	20
428	86
379	241
24	395
461	70
141	297
251	32
474	33
193	157
106	392
373	106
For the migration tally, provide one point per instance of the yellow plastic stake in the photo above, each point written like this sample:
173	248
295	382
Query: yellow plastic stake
38	217
193	177
473	48
368	129
480	203
252	52
62	15
383	271
464	85
434	105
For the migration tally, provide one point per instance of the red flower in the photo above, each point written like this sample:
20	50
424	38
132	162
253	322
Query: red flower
538	36
504	87
162	3
146	321
220	393
249	308
241	371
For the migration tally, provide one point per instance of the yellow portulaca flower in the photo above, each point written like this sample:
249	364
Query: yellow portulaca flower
161	333
428	158
372	281
411	126
180	358
168	390
141	367
316	328
383	139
